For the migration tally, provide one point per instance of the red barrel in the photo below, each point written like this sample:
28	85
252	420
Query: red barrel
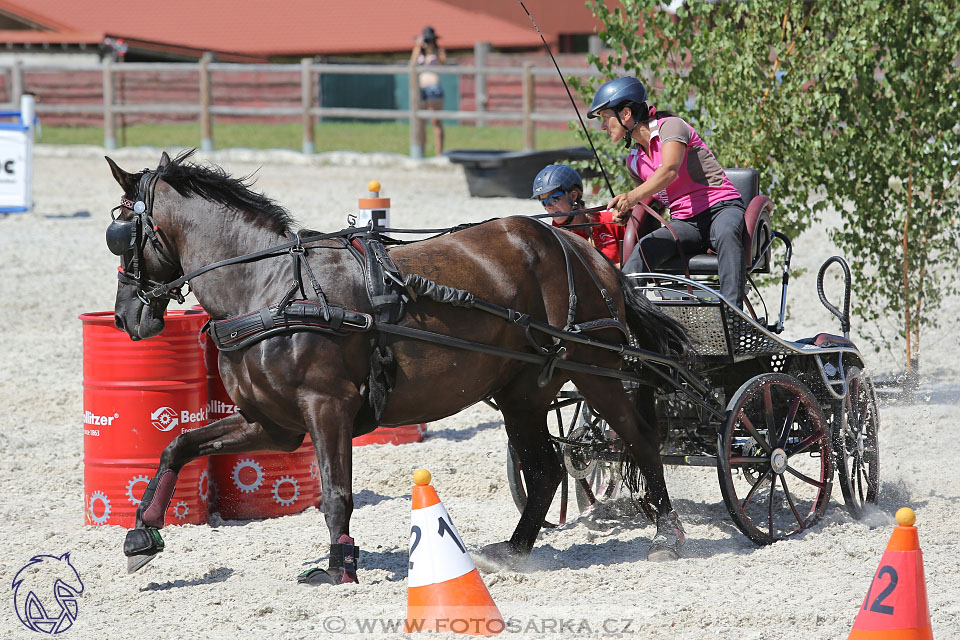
393	435
260	484
138	396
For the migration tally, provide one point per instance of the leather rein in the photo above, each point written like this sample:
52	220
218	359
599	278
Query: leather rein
128	239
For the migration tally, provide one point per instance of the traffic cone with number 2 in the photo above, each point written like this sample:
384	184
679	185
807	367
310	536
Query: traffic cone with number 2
444	589
896	604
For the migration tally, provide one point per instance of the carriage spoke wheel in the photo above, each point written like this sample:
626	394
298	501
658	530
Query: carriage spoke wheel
856	446
775	458
593	480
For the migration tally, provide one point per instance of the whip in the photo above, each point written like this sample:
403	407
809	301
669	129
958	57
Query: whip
572	101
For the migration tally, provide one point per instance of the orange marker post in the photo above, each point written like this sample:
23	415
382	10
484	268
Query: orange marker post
373	211
896	604
445	592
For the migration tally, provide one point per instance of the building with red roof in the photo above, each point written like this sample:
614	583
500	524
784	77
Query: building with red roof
249	31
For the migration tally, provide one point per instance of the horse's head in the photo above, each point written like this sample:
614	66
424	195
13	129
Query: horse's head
147	257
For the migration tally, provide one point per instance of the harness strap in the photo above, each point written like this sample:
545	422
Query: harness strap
231	334
676	239
593	276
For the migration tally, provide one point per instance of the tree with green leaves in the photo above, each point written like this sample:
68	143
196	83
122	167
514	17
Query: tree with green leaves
894	165
836	104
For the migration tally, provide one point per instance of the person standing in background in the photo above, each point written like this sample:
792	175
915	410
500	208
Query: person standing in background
426	52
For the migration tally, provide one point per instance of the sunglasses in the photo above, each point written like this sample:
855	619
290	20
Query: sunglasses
552	198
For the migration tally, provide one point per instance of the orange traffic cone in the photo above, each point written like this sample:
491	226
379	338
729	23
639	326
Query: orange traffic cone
444	589
896	604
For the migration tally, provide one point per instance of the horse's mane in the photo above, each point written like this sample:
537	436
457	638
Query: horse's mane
213	183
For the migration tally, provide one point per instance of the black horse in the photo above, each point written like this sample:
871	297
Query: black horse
182	217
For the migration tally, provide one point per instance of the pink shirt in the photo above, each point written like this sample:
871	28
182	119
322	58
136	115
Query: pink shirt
700	183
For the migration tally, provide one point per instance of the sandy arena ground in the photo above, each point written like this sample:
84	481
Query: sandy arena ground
587	578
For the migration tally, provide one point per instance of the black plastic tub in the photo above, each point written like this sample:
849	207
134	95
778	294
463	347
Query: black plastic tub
492	173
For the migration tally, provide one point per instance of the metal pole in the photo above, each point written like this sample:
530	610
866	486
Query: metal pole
416	124
529	137
480	53
306	101
16	81
206	119
109	123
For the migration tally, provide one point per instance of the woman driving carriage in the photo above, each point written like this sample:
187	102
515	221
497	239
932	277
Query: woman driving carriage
668	161
560	190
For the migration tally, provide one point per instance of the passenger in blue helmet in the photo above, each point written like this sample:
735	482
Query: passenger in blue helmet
670	163
560	190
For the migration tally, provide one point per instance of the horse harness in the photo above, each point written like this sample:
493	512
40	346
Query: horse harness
388	290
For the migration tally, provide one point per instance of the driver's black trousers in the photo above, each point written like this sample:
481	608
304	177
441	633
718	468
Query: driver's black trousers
721	228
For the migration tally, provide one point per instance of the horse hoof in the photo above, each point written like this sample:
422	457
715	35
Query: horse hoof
668	543
140	546
317	575
499	556
662	554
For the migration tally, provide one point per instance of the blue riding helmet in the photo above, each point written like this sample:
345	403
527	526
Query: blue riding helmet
556	176
614	93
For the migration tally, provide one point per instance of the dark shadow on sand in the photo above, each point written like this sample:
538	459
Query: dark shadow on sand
221	574
460	435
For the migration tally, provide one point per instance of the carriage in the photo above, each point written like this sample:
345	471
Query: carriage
775	417
479	311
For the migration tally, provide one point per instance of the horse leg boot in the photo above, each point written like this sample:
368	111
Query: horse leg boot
229	435
641	437
331	428
542	474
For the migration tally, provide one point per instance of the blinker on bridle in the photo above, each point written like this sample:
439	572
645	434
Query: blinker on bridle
127	239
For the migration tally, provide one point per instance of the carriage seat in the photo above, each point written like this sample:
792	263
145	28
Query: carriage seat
757	217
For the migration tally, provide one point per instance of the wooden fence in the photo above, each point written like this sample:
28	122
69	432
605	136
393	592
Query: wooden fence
200	104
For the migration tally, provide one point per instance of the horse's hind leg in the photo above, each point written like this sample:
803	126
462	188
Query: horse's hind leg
642	441
232	434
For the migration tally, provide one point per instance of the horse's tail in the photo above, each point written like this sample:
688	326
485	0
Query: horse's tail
655	331
652	329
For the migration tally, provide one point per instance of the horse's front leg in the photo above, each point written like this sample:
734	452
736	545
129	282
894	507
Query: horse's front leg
542	474
232	434
330	420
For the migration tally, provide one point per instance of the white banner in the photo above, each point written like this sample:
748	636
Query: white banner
15	156
437	552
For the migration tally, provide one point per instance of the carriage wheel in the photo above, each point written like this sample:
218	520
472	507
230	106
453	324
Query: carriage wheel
593	480
596	480
775	458
857	447
600	485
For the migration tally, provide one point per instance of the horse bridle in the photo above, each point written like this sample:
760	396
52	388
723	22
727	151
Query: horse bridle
128	239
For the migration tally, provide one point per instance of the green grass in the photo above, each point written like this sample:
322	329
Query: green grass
330	136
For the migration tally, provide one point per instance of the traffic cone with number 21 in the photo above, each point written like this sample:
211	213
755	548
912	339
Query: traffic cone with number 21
896	604
444	589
